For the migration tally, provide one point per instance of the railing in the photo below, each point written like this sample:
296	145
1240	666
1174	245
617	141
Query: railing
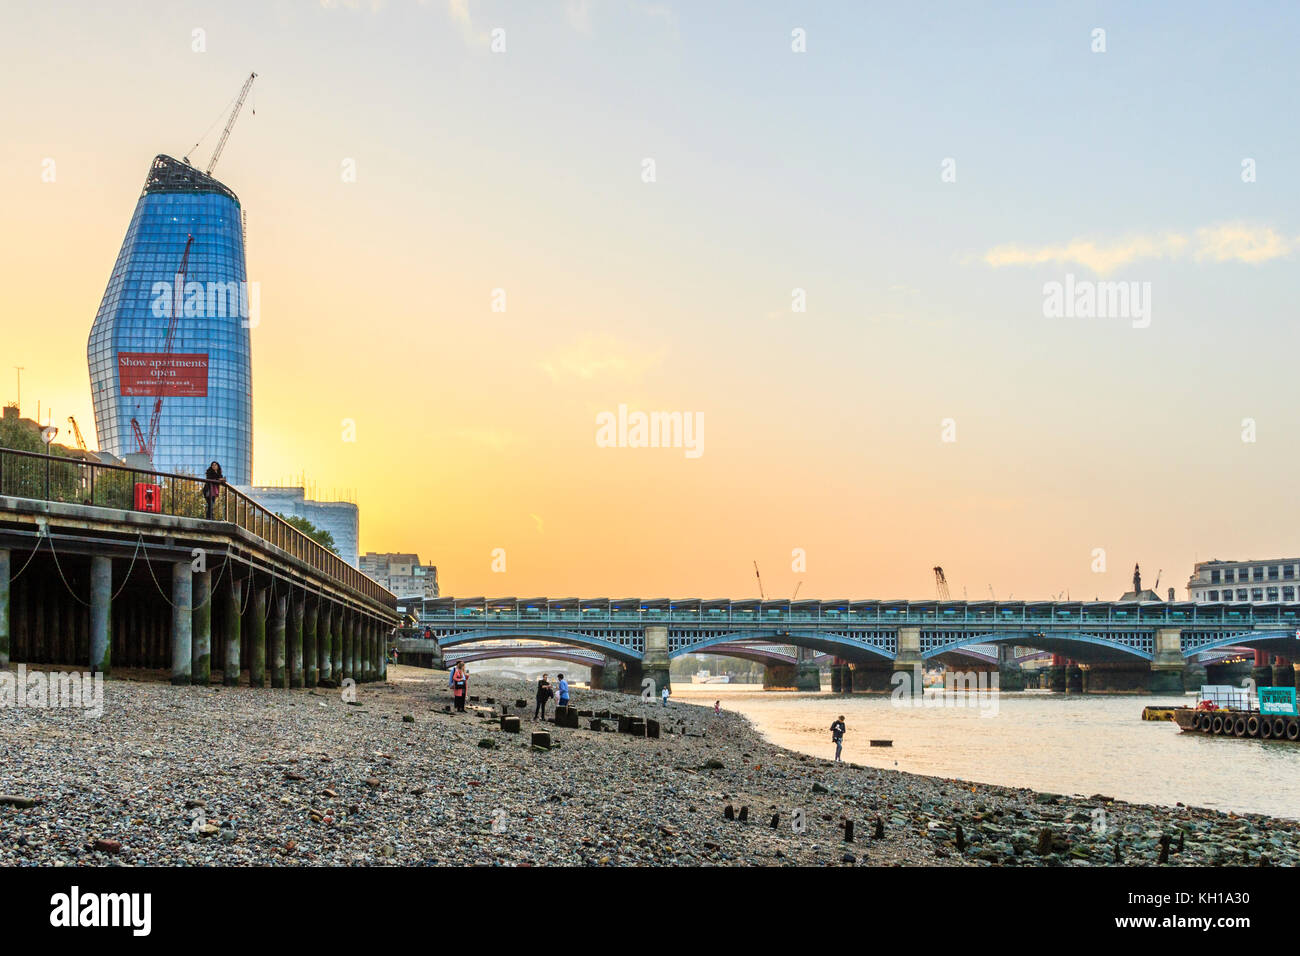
77	481
1028	615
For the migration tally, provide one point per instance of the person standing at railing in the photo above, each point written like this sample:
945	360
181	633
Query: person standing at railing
212	487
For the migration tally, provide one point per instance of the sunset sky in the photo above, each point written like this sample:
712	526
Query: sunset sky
775	171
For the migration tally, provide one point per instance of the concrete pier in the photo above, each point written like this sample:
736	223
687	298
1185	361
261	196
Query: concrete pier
654	662
908	660
182	622
279	612
310	665
202	665
101	613
348	629
323	632
779	677
294	637
872	677
257	612
336	646
232	594
1168	663
807	675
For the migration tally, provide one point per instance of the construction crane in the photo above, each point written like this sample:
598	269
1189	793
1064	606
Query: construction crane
761	595
941	584
146	443
225	133
81	442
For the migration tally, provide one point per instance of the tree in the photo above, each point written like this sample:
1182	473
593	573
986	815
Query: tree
319	535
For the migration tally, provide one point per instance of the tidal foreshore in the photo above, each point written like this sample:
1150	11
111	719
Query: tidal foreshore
180	776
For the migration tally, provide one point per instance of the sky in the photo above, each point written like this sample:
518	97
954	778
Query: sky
827	234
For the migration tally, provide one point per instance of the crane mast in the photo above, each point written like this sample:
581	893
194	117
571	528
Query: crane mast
146	443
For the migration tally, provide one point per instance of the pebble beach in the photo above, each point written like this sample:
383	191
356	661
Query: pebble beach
200	776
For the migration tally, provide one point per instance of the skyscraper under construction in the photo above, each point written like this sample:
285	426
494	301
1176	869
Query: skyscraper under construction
169	349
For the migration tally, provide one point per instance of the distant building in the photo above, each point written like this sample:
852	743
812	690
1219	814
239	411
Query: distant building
342	519
1139	593
1251	582
402	573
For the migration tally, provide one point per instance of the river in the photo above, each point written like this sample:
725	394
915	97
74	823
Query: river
1071	744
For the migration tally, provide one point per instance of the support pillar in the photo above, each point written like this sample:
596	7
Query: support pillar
1168	663
654	662
324	663
232	597
609	675
1283	672
837	676
872	678
101	613
383	654
336	645
182	622
4	607
295	641
368	651
257	637
279	611
202	627
1073	678
908	667
1010	675
1194	675
349	630
629	681
355	646
779	676
807	675
309	662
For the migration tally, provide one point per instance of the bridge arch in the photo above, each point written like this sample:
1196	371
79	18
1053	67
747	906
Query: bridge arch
827	642
1283	642
1083	646
576	638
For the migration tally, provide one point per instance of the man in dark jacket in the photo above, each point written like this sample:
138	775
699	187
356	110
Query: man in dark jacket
543	695
837	736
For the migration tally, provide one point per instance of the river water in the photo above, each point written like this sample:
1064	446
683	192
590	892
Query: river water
1071	744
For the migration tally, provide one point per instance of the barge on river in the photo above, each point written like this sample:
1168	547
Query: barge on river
1237	712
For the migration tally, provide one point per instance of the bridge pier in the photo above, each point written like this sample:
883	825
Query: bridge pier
257	636
841	677
1118	677
1168	664
182	622
202	583
1073	678
1194	675
336	646
279	612
309	674
1283	673
356	649
654	662
779	677
872	678
324	665
233	594
101	614
295	640
807	675
1010	674
908	661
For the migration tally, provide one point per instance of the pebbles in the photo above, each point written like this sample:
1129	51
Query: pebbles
269	781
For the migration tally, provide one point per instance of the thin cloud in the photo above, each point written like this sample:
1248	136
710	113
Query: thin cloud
596	356
1227	242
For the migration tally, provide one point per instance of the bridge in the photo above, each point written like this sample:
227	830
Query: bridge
104	566
1109	645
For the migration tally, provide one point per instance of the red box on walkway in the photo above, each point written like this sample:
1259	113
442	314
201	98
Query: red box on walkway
148	497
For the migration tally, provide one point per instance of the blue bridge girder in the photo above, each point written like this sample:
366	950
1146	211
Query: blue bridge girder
863	631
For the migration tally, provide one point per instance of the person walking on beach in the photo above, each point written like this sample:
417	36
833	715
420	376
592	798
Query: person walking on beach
717	708
212	486
837	736
459	685
664	696
564	691
543	695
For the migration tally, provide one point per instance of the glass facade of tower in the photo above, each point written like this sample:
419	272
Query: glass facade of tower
199	365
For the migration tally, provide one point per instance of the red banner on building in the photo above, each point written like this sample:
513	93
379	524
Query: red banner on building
153	373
